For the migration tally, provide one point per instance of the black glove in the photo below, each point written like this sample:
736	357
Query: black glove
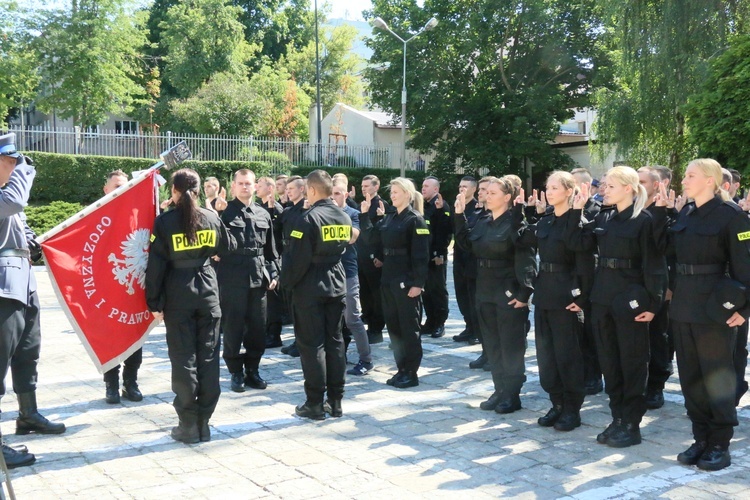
28	160
35	250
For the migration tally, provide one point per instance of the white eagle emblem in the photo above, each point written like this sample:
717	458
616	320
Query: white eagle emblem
131	268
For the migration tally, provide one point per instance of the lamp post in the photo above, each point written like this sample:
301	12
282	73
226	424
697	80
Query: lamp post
379	23
318	118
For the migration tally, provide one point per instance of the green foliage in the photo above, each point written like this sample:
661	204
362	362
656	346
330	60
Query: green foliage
277	25
490	84
660	52
89	57
718	115
202	38
18	79
81	178
340	68
42	218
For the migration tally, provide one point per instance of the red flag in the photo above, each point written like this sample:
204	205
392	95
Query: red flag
97	263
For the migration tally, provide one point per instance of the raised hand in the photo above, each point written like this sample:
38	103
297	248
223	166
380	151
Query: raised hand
521	198
365	205
661	196
381	209
460	205
352	192
221	200
680	202
439	202
534	198
541	205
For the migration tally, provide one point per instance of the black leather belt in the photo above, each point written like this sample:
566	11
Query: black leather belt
326	259
395	251
190	263
15	252
552	267
611	263
493	263
252	252
691	269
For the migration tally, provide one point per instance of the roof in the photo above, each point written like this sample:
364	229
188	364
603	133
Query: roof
381	119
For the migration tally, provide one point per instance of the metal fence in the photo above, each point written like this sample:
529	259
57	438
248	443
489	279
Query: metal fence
279	152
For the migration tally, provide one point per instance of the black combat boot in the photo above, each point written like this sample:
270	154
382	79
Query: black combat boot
551	417
30	420
131	391
313	411
333	408
186	432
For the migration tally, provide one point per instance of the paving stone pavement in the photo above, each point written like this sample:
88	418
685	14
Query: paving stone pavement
430	441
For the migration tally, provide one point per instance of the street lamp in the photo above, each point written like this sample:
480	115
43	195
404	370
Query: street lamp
379	23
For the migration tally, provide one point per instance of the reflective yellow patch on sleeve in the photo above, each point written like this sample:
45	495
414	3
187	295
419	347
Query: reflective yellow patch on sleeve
203	238
448	214
427	221
336	233
153	237
421	230
297	234
743	236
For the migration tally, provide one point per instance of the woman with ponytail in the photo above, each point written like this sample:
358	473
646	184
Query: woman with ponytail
182	290
404	239
711	241
562	290
626	293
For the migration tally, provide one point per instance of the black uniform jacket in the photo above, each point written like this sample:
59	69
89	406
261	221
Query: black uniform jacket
565	275
316	244
179	274
716	233
254	263
404	240
441	229
619	236
506	267
366	252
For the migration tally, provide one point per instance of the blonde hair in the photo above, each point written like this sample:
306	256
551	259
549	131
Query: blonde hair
712	169
507	186
415	197
627	176
567	181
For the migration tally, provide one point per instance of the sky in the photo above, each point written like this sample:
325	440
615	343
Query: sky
347	9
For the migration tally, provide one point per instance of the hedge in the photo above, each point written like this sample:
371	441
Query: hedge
80	178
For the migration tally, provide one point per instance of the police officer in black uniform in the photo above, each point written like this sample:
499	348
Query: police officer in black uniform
182	289
403	239
19	304
318	283
370	267
437	214
245	275
505	283
628	290
464	270
711	240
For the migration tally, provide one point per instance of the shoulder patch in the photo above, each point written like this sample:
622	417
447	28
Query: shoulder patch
153	237
427	221
423	230
297	234
743	236
336	232
203	238
448	214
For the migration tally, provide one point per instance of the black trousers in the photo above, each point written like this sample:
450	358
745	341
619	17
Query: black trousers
317	325
274	314
193	346
504	339
466	289
592	372
705	359
129	369
435	296
20	343
740	358
623	347
402	317
559	355
660	363
243	312
369	296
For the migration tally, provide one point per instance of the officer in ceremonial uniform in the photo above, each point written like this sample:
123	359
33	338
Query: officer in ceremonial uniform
245	275
182	289
19	304
318	283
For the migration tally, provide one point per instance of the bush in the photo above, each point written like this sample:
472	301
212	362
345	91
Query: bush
80	178
42	218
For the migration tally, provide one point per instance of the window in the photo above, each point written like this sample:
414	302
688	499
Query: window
126	127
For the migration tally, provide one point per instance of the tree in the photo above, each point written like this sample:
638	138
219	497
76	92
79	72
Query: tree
202	38
340	68
276	25
18	79
490	85
718	114
662	50
89	57
269	103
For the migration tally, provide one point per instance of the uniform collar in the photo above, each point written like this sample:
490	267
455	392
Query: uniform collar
625	214
707	207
